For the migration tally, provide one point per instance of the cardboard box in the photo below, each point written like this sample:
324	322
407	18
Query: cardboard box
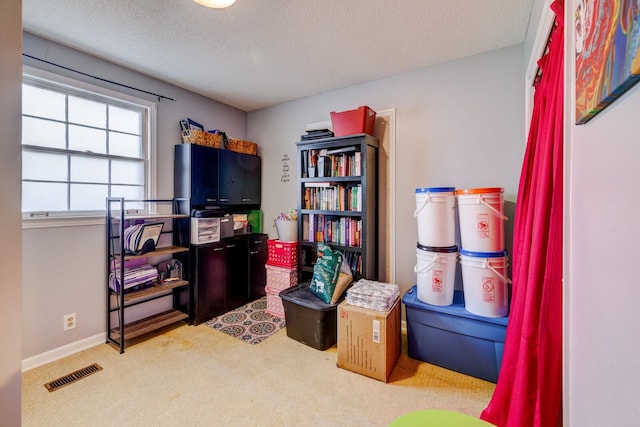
368	340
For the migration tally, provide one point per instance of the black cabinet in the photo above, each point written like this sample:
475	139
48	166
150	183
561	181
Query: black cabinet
213	177
196	174
227	274
258	255
237	285
209	281
240	179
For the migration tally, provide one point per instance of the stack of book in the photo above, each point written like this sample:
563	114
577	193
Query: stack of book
316	134
133	277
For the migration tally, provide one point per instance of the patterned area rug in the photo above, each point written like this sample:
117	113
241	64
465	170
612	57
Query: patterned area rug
251	323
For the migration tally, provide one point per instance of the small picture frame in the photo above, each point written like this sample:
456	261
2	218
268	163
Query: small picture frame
193	125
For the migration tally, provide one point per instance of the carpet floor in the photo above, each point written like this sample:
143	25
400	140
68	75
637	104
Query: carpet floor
197	376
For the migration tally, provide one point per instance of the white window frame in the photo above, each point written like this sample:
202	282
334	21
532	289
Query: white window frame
68	219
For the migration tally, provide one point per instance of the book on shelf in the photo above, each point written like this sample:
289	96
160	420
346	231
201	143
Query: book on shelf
332	197
342	150
317	184
316	134
357	169
312	231
332	229
305	166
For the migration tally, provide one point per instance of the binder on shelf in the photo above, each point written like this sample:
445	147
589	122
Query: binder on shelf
142	238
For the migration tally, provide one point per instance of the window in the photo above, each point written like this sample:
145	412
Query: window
81	144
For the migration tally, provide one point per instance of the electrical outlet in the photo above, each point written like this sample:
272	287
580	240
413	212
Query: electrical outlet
69	322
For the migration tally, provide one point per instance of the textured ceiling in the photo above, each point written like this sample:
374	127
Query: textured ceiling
259	53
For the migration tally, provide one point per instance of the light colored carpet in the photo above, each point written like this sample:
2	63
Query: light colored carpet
197	376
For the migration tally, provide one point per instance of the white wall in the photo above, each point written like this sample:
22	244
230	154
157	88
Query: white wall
601	272
64	268
10	233
459	124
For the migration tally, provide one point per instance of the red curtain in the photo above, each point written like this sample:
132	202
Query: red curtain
529	388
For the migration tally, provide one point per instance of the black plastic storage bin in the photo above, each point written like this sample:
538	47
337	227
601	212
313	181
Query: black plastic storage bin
309	319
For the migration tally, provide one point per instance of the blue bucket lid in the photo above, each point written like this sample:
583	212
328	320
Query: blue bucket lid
436	190
484	254
441	249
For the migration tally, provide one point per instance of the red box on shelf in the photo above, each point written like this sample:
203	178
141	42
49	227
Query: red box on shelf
282	254
360	120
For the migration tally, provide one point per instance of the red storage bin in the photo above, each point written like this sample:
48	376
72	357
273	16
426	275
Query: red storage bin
282	254
360	120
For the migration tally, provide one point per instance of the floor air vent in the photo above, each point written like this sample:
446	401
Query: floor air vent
73	377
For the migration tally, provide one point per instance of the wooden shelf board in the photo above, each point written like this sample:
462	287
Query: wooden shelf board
149	324
157	288
128	217
159	251
307	243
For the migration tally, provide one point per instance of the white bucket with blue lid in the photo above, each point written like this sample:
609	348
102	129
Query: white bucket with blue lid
436	274
485	282
435	214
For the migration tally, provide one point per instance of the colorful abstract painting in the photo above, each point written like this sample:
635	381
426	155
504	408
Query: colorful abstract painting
607	53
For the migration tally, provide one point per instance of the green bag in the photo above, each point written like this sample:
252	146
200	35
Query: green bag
325	272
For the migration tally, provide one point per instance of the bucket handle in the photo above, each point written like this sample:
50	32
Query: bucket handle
418	210
506	279
427	267
497	212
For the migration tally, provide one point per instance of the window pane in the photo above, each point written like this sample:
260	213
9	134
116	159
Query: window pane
86	112
87	139
44	166
125	145
127	172
43	133
79	146
88	169
129	192
125	120
88	197
44	196
43	103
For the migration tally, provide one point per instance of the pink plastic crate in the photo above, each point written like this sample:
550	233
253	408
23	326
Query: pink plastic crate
274	302
282	254
279	278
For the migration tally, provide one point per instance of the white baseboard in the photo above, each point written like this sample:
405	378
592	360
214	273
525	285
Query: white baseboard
64	351
75	347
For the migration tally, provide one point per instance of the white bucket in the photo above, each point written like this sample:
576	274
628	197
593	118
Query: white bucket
481	215
287	230
436	217
485	282
436	271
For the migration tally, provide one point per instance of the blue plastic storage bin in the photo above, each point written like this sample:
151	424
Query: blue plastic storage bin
451	337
